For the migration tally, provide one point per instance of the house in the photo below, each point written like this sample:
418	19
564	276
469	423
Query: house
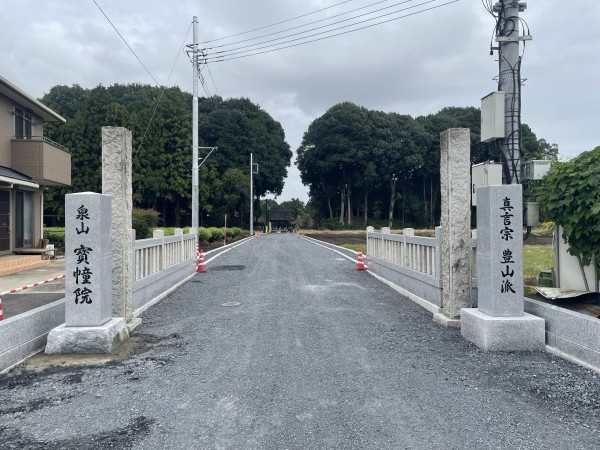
29	163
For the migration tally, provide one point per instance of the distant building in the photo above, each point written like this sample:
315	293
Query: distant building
28	163
280	218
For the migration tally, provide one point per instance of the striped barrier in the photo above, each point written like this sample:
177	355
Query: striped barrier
12	291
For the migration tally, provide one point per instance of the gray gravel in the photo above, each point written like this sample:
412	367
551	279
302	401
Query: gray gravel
315	356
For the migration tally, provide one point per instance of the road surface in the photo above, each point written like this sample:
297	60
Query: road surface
283	345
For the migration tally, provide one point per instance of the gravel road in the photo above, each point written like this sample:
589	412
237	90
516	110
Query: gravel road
283	345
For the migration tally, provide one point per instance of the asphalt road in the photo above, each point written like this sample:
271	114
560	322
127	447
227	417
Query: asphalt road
283	345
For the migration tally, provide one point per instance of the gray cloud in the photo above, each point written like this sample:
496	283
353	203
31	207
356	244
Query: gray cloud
415	65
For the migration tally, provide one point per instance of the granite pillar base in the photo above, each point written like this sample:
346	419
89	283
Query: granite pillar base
503	334
99	339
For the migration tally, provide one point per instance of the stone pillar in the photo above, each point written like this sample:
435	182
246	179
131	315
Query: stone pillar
116	182
455	177
500	323
89	325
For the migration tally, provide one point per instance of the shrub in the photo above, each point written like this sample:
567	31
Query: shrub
204	234
569	196
217	234
56	236
234	232
144	220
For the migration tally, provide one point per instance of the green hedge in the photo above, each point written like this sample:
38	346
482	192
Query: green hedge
56	236
234	232
204	235
144	220
216	234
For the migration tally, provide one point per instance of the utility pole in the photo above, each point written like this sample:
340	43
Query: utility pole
195	132
509	81
252	172
251	199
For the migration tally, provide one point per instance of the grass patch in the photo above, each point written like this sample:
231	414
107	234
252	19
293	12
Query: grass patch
535	259
355	247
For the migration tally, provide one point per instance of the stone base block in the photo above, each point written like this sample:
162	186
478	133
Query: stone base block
445	321
102	339
503	334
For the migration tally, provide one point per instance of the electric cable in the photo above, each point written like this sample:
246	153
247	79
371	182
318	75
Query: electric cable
162	91
126	43
231	52
222	58
276	23
213	80
314	22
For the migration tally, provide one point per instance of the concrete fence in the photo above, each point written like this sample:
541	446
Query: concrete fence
413	264
421	254
160	265
156	254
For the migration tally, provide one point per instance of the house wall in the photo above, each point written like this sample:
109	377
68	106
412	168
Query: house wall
6	130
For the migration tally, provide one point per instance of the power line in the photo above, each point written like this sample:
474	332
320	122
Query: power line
164	88
230	51
211	77
277	23
301	26
128	46
249	52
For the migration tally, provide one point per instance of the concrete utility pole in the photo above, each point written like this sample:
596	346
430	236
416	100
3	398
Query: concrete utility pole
252	172
251	202
509	81
195	132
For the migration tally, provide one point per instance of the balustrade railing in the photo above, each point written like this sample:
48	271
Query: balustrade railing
159	253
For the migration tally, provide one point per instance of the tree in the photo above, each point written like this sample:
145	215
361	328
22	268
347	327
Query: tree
161	124
570	196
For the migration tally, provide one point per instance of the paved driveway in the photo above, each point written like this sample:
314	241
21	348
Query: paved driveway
283	345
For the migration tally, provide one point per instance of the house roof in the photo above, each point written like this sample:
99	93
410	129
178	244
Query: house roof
8	175
26	100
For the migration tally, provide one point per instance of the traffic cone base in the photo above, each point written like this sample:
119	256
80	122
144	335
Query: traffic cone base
201	268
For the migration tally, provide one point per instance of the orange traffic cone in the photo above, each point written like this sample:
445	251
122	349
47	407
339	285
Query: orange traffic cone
361	261
201	268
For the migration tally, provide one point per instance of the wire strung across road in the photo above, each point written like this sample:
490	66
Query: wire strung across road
280	46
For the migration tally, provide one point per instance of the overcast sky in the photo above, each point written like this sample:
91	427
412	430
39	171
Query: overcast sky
416	65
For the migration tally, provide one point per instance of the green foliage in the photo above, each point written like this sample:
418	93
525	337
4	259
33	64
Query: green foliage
234	232
216	234
386	166
204	235
170	231
570	197
144	220
55	235
162	151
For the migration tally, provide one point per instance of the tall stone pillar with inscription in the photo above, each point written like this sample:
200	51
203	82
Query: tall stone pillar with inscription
500	323
89	324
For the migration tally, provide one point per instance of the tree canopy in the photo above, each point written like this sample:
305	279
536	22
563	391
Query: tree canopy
161	125
385	166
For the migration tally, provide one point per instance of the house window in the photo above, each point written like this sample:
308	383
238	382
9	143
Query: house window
24	219
23	124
